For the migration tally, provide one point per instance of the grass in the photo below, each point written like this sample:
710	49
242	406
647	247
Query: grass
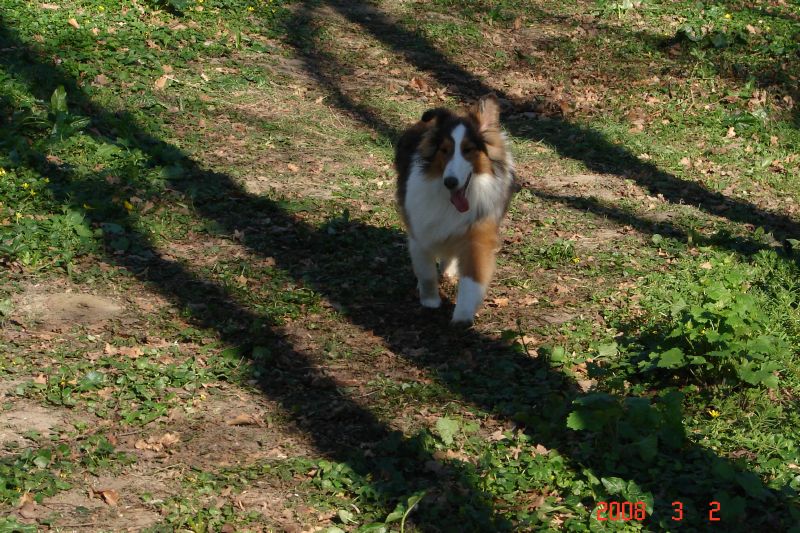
207	165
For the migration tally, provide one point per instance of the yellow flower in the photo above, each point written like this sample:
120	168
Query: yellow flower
576	260
250	8
727	16
33	193
47	180
713	413
2	171
87	207
101	8
18	216
25	185
127	205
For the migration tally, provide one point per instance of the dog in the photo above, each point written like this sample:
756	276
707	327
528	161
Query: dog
455	182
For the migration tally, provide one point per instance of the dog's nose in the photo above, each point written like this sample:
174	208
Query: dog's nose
450	182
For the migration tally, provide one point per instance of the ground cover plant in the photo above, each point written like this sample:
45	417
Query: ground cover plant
207	316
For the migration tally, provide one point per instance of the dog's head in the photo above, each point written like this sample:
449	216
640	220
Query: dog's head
458	146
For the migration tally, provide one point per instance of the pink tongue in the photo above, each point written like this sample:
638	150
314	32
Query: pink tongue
459	199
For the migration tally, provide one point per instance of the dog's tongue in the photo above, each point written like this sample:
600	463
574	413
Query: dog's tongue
459	199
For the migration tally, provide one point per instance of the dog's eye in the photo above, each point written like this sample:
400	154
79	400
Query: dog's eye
444	149
466	150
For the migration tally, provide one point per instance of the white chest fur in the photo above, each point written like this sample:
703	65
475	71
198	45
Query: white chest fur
433	219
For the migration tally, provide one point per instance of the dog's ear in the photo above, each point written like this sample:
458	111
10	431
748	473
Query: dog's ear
435	114
487	112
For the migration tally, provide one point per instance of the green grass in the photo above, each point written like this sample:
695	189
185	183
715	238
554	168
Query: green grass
673	378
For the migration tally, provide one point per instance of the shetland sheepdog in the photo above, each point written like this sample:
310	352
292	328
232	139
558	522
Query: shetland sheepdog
455	182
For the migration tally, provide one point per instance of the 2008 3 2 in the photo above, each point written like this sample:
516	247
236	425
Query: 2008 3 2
626	511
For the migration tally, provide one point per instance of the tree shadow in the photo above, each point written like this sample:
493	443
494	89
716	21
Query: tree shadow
476	368
569	140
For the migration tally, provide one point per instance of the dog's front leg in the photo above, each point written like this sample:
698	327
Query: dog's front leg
427	278
476	264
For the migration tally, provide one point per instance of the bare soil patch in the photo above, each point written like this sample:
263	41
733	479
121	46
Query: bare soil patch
54	311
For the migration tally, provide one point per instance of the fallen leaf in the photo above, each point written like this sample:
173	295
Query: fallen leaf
28	510
101	79
497	435
130	351
418	84
50	6
110	496
157	444
706	266
106	392
161	83
242	420
292	167
25	499
731	133
167	69
168	439
500	302
41	379
74	24
563	289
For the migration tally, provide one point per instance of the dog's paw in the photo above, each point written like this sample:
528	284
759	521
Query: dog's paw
461	319
431	303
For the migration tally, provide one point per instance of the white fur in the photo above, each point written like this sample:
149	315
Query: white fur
449	267
425	269
470	296
431	216
458	167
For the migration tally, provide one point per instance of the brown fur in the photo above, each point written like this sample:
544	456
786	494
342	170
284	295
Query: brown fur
476	256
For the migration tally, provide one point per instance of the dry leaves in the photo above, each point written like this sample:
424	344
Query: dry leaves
161	83
499	302
419	84
110	496
51	7
74	24
41	379
498	435
27	506
158	444
128	351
